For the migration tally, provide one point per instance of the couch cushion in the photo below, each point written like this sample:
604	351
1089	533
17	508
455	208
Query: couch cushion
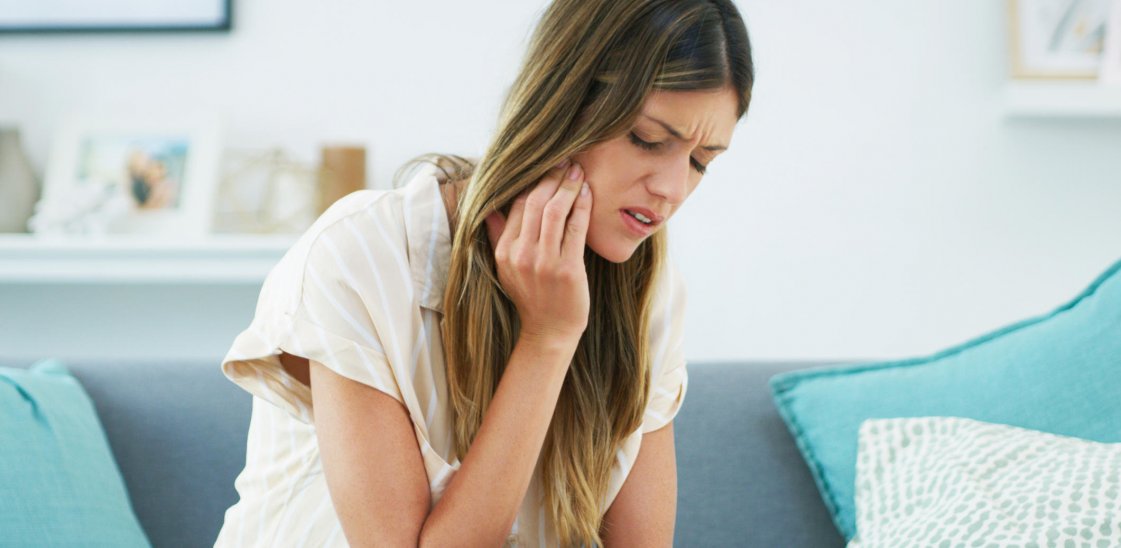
740	479
178	431
59	484
1060	373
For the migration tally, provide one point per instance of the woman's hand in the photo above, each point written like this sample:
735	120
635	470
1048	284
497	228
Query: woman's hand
539	251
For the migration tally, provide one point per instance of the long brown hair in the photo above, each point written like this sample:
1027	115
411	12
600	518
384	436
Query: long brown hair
589	68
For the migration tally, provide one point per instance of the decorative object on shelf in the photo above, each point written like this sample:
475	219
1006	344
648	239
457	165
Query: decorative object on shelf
265	192
342	170
131	177
1057	38
115	15
1111	60
19	189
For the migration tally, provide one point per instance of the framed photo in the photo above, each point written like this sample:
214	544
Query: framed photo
29	16
1111	61
1057	38
109	177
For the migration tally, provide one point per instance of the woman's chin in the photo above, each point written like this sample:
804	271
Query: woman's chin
615	252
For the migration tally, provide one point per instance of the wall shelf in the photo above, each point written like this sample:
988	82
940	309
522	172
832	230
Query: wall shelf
216	259
1062	99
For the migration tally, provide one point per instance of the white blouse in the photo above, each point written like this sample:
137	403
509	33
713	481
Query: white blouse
361	292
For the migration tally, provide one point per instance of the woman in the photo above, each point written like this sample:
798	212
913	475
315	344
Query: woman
493	352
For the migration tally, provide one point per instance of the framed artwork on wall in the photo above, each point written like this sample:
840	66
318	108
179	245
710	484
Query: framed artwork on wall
1057	39
1111	60
29	16
114	177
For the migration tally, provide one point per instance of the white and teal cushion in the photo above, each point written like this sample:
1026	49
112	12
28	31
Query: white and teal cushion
59	483
1060	373
947	481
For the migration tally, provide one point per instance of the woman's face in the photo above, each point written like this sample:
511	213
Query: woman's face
639	179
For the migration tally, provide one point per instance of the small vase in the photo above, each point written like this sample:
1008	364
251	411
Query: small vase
19	190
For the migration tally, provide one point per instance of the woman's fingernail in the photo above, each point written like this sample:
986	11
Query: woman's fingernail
574	172
584	190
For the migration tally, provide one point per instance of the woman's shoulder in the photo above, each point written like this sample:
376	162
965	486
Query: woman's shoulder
383	242
340	230
356	211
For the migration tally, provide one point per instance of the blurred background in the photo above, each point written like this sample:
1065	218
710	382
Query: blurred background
906	178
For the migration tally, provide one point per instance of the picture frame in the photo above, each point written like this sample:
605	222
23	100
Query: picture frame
1110	73
140	177
94	16
1057	39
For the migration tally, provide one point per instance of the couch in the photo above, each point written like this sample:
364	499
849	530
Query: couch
178	430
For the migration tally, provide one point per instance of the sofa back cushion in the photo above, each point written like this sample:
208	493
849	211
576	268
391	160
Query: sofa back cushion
740	480
178	431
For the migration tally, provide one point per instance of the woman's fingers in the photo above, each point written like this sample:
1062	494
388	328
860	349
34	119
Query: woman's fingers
540	215
546	282
513	225
535	204
556	211
576	230
496	225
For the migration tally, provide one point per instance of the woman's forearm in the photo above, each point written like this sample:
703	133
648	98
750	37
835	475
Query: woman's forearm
480	504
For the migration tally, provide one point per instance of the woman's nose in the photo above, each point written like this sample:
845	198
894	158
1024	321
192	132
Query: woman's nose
670	181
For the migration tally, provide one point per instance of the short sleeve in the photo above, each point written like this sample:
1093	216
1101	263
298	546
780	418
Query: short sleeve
669	377
335	322
321	303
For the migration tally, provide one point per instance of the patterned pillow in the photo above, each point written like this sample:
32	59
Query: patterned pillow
947	481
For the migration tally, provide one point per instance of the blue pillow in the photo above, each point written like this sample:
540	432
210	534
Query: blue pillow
59	484
1059	373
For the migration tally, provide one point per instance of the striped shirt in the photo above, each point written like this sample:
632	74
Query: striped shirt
361	292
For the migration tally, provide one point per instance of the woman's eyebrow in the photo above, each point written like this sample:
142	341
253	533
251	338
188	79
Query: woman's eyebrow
679	136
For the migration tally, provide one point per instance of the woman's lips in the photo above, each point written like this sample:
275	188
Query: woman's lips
654	218
638	228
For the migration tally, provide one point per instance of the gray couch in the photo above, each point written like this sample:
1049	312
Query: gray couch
178	433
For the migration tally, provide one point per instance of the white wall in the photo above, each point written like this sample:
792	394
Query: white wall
875	202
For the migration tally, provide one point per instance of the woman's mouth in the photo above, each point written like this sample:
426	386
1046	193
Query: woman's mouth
641	222
643	218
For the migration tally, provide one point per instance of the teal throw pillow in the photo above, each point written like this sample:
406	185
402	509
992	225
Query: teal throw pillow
1059	373
59	483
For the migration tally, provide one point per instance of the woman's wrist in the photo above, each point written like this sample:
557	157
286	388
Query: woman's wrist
550	341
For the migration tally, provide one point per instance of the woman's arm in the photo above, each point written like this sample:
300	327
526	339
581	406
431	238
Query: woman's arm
644	511
371	461
480	504
376	476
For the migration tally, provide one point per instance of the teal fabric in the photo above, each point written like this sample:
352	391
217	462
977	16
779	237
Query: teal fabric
1059	373
59	484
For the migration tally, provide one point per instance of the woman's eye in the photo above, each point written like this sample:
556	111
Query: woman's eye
647	145
642	144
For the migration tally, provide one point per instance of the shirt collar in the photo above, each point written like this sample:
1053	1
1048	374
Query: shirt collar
428	236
